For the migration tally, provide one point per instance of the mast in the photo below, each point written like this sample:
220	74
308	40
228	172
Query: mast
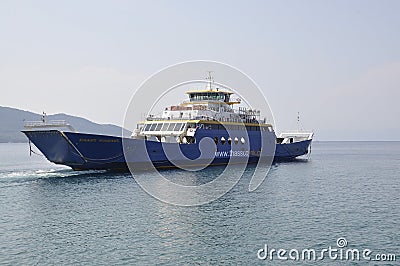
43	117
210	79
298	121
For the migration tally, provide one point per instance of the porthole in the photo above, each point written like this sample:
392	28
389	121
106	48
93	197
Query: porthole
236	140
229	140
223	140
242	140
216	140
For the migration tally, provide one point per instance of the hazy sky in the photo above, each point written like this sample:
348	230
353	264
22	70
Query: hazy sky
335	62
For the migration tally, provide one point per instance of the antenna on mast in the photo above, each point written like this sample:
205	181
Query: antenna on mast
210	79
298	121
44	117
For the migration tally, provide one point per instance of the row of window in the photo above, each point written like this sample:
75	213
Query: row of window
208	96
223	140
180	127
164	127
235	127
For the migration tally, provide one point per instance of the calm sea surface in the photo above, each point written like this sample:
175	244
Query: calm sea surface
52	215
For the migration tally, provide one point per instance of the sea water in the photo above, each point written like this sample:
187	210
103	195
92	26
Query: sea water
50	214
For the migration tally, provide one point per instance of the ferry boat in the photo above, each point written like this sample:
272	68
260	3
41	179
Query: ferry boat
173	139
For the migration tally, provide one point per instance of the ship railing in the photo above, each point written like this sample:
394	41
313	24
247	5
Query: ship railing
47	124
208	118
152	118
299	135
241	110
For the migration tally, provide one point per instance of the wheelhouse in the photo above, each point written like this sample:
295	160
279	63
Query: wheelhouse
209	95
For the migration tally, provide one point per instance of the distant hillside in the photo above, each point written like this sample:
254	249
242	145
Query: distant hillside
12	122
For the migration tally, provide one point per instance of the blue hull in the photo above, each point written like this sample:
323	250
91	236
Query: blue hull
82	151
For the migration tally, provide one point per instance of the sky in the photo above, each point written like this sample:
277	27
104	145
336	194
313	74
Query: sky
335	62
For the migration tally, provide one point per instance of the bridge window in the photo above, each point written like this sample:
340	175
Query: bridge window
213	96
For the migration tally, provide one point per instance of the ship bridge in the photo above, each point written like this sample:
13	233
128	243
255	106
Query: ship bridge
209	95
215	96
209	103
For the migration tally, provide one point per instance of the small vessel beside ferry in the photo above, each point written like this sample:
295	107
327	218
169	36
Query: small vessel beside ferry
173	139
